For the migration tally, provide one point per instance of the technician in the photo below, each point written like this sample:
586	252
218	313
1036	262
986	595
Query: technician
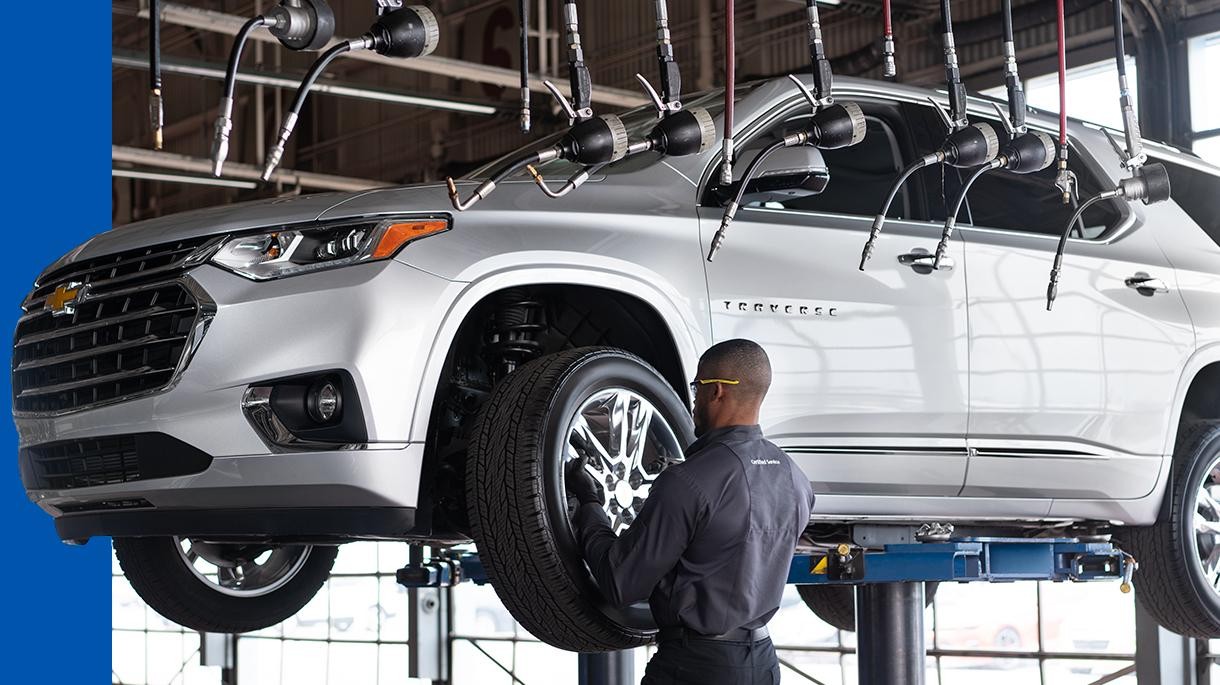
711	548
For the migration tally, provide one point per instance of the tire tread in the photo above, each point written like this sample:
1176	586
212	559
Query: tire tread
1162	580
508	510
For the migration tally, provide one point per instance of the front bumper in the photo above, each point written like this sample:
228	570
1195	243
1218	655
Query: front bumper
372	320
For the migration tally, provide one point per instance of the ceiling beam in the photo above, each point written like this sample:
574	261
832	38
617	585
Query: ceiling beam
174	65
199	165
220	22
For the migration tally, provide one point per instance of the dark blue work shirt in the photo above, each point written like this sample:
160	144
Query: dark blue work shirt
711	548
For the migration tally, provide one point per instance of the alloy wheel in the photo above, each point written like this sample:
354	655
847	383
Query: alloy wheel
1206	536
242	570
625	443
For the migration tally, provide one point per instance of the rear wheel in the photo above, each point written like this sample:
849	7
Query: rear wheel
223	587
601	403
1178	579
836	604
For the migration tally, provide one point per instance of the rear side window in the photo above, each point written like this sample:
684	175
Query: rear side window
1032	203
860	175
1198	194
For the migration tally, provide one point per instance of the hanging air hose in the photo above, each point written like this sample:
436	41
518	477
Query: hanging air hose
889	69
276	153
679	133
406	32
597	141
298	25
730	86
687	132
1025	153
224	121
671	74
1012	79
591	141
1028	153
1135	155
836	126
1148	183
953	74
523	7
832	125
966	145
156	109
1065	180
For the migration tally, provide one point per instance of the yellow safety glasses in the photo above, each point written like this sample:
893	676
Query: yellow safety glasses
694	385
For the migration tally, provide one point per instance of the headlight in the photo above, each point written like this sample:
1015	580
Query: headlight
292	251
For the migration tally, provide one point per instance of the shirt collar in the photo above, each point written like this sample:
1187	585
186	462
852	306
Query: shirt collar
751	432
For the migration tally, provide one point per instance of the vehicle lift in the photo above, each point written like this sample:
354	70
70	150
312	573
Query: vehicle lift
890	601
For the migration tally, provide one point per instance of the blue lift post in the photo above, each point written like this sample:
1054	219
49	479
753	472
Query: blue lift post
890	603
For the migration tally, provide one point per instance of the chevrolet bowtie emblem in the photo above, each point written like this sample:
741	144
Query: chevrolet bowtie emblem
63	301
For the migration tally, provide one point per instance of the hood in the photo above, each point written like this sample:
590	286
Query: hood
210	221
647	189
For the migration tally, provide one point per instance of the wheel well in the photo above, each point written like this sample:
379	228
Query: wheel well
1203	399
508	328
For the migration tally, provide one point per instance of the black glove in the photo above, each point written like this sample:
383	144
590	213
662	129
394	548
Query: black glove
580	484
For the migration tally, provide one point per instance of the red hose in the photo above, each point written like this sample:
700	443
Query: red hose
885	13
1063	117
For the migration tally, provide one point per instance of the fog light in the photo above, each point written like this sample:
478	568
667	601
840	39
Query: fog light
324	402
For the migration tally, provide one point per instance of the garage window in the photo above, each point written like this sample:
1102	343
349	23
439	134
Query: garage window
1198	194
1204	57
1032	203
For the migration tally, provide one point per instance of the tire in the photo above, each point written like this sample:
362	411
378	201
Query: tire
519	512
836	604
1170	582
160	573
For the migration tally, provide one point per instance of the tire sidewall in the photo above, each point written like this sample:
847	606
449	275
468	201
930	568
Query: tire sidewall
165	583
1202	453
600	370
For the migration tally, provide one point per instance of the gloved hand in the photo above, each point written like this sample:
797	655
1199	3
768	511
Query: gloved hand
580	484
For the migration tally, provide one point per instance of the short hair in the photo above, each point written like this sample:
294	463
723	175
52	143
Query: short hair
743	360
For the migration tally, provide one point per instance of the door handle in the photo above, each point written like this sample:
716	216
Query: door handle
1146	285
921	261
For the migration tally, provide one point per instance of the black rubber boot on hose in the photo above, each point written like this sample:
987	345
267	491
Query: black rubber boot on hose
553	409
223	588
1178	580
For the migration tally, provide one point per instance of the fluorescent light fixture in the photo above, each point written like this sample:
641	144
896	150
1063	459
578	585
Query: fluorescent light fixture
182	178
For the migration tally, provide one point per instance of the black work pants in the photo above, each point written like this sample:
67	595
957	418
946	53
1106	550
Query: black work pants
696	661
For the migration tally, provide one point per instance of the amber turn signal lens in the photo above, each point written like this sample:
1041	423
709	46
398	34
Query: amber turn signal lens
397	235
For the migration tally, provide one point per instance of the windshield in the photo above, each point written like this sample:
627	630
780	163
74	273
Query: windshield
638	121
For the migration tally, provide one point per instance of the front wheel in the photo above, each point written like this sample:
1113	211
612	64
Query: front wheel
607	406
223	587
1178	578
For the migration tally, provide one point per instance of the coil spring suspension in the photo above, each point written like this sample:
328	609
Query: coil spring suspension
515	325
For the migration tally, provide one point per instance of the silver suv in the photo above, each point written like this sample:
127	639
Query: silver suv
231	393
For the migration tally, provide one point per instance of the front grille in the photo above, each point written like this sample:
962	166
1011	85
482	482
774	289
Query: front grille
85	463
108	460
121	269
126	336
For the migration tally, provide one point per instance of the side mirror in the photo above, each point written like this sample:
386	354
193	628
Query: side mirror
789	173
